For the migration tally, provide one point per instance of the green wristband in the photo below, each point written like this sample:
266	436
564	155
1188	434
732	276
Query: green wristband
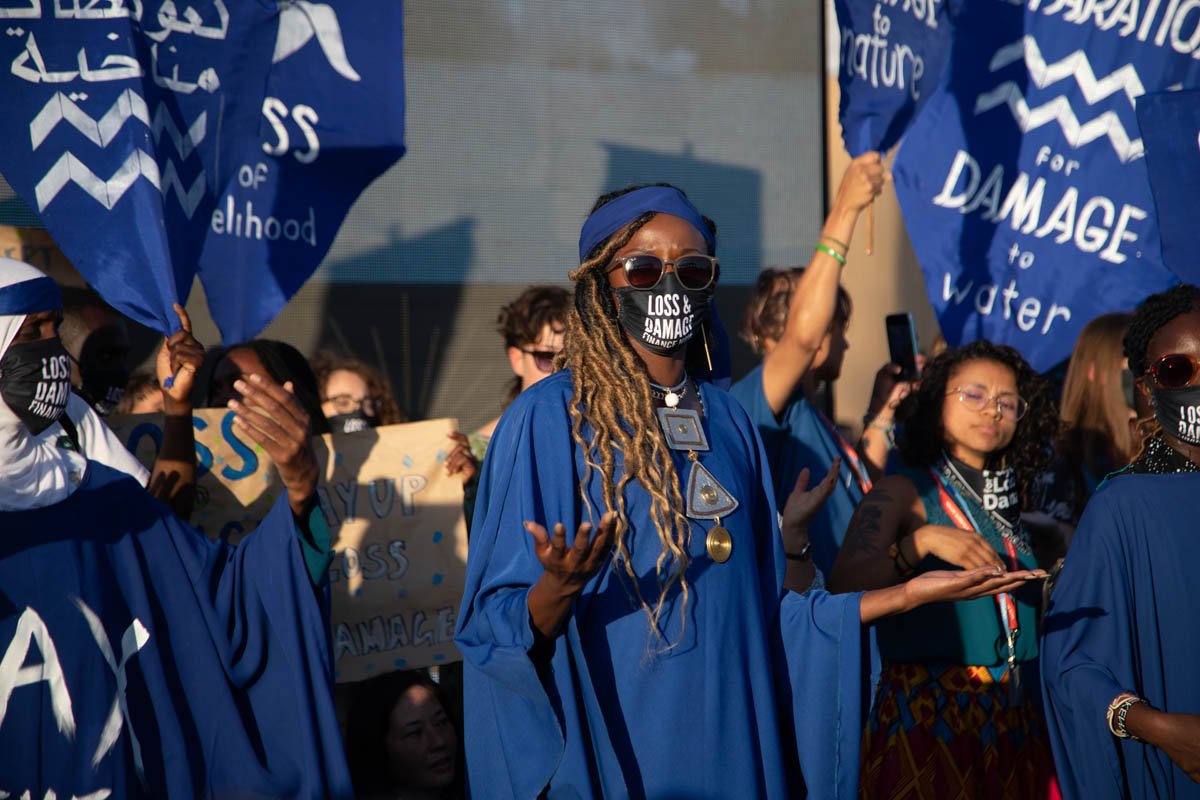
829	251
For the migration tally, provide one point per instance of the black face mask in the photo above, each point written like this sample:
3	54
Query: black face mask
1178	412
103	388
351	423
664	318
35	382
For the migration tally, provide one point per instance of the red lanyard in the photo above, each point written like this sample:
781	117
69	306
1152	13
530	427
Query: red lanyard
956	509
852	457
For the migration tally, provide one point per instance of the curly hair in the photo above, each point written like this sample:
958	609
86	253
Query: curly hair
387	411
766	312
521	322
1151	316
922	436
1154	313
613	408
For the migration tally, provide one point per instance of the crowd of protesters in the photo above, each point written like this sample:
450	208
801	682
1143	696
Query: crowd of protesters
671	568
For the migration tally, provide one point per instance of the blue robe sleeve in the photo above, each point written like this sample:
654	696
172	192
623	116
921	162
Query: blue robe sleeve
821	636
504	690
1087	658
274	643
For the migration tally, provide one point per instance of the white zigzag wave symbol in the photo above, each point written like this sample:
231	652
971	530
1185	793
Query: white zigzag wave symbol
1075	65
140	164
1059	110
129	105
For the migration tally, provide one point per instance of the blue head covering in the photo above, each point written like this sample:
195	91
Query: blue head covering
616	214
30	296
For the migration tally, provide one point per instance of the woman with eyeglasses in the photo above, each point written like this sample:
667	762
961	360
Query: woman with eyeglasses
1122	643
634	623
354	395
955	710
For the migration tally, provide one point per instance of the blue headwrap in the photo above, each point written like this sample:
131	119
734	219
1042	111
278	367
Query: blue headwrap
30	297
616	214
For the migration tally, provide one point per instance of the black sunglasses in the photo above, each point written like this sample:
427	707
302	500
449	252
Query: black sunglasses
695	272
1174	371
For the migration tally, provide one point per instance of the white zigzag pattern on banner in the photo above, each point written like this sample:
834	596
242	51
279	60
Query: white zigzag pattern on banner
129	105
1075	65
1059	110
140	164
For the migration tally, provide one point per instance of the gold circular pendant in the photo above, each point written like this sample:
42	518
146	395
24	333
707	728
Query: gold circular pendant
719	544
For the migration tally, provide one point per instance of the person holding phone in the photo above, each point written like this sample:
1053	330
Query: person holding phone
953	714
796	320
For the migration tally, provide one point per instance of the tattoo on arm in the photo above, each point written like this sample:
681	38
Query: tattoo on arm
864	535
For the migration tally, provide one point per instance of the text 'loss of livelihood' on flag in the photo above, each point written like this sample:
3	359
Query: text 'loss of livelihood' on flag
158	140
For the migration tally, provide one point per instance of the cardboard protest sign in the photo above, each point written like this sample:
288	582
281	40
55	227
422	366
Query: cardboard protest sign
395	516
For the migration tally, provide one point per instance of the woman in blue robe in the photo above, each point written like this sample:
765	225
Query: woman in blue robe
671	646
139	659
1121	643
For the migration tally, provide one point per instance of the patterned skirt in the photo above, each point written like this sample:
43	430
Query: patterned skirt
950	732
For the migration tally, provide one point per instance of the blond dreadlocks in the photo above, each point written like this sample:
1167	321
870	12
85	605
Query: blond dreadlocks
612	402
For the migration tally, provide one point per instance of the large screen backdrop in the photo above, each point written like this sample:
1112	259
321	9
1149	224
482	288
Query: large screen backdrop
520	113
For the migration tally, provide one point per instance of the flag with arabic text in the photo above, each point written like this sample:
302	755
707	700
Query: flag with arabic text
158	140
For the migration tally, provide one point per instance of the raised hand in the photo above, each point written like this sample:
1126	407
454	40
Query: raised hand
572	567
803	504
178	360
566	570
461	461
269	415
965	549
861	183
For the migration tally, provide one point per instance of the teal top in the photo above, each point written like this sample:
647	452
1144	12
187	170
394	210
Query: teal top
968	632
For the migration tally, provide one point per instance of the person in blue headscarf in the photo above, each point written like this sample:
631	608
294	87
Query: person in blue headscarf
662	638
1121	645
139	659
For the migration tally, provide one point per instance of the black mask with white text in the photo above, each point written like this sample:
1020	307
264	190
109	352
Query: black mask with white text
664	318
35	382
353	422
1178	412
103	388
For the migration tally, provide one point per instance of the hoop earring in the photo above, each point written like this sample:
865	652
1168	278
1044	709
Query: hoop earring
707	355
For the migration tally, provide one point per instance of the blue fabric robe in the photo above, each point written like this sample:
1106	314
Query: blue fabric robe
143	660
759	674
798	438
1123	617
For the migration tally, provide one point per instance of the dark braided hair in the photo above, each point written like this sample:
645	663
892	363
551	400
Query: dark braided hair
613	404
922	435
1151	316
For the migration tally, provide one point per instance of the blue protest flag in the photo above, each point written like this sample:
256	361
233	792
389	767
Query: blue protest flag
114	116
131	126
1170	125
332	122
1023	183
892	57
